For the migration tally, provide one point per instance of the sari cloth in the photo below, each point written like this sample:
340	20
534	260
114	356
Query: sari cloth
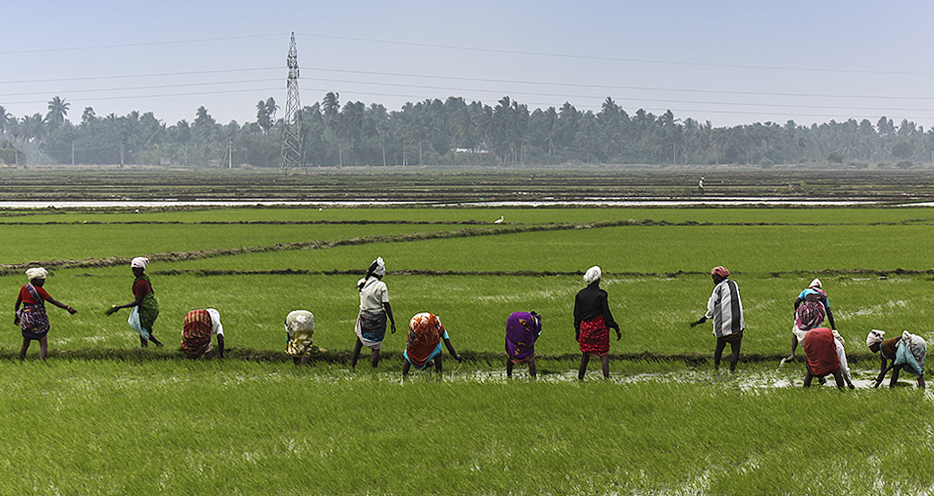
196	333
809	315
148	309
33	320
300	327
425	331
910	353
522	329
371	328
595	337
821	352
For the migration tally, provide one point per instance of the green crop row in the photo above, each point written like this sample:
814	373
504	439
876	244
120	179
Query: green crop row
105	427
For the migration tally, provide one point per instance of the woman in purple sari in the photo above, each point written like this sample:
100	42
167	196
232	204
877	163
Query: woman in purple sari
522	329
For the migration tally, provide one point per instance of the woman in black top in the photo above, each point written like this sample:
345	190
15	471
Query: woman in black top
592	323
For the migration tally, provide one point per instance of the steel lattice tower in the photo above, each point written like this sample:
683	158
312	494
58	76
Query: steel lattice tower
292	155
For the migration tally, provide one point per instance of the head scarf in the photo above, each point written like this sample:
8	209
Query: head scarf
815	283
378	267
593	274
218	328
720	271
139	263
36	273
875	336
299	320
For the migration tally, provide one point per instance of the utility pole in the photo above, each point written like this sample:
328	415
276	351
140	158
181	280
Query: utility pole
292	141
229	151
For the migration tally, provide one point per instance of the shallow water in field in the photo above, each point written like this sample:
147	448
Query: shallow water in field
594	202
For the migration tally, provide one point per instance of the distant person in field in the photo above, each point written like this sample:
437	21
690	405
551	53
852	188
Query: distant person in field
820	350
426	333
700	186
32	319
145	307
197	329
907	352
522	330
592	323
726	310
810	307
374	311
300	332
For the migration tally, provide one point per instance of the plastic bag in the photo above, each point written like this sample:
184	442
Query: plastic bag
134	323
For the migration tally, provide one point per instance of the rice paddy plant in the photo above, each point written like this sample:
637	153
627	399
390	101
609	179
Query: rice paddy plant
236	427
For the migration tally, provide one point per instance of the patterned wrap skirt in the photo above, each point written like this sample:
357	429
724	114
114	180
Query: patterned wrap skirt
371	328
196	333
595	337
34	322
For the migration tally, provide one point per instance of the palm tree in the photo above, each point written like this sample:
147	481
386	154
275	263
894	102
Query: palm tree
58	109
5	119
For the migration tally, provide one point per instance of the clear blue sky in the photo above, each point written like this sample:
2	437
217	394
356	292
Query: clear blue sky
732	62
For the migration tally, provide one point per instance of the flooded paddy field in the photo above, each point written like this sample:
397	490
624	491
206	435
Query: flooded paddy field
128	420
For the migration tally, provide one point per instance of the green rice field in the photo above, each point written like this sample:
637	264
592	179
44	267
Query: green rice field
102	416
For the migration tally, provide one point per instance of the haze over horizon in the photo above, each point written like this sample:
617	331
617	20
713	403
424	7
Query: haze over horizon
730	63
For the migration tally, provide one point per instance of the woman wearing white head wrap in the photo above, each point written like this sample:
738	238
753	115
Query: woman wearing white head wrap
145	307
36	273
906	351
374	312
32	319
593	274
592	323
300	331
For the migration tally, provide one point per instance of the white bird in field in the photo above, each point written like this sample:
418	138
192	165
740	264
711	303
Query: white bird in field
499	220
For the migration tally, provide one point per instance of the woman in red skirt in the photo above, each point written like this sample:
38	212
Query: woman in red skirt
593	321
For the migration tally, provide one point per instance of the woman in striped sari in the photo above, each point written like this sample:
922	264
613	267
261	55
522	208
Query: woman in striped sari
197	329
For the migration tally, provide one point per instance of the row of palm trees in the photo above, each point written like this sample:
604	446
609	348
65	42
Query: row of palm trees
452	131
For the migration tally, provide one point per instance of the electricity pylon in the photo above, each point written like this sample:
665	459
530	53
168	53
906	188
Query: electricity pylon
292	142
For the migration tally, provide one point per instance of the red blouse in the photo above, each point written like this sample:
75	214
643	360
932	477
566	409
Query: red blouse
28	299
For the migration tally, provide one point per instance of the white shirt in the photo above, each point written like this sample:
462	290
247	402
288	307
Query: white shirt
373	295
217	328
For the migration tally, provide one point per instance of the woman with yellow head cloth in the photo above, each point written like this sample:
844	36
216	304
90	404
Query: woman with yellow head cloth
32	319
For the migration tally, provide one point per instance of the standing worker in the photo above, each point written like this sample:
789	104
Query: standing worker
374	311
726	310
593	321
145	307
32	319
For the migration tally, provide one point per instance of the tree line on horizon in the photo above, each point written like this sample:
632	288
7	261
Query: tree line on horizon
451	132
